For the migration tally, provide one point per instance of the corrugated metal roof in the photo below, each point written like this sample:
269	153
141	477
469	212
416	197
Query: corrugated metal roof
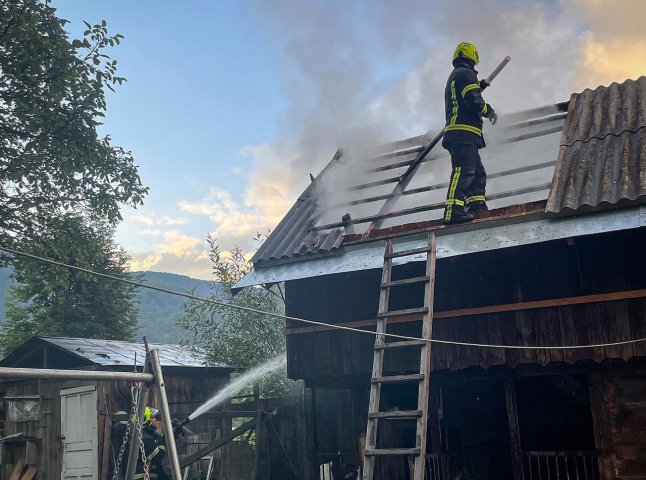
602	158
521	154
119	353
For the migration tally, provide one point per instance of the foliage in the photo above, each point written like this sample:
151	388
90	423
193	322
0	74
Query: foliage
53	300
159	312
52	97
241	338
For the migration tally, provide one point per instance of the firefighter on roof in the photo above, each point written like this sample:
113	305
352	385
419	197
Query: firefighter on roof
465	109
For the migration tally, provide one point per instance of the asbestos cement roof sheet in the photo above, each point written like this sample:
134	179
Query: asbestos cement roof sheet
602	156
119	353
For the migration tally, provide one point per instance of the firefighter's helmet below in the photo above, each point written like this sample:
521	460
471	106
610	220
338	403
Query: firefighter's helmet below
467	50
150	414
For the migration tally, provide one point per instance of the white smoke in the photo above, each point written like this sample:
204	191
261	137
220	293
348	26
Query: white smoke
363	73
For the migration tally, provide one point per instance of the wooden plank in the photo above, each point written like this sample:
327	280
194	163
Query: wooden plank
391	451
404	344
186	461
30	473
378	364
401	414
416	377
426	355
406	281
402	313
105	448
514	430
406	253
17	471
510	307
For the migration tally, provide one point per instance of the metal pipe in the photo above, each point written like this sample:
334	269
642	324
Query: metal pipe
142	401
166	420
498	69
55	374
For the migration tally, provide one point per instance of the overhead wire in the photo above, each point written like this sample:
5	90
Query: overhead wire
313	322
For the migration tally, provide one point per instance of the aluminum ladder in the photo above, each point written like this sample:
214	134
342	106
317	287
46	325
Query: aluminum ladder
422	378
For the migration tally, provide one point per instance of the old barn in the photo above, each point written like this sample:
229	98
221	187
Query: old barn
75	428
557	261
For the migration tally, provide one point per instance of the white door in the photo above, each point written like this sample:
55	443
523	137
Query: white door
79	433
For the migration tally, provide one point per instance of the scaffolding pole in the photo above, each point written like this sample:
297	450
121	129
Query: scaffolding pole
165	412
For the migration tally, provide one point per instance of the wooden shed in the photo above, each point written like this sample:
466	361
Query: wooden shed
74	429
557	261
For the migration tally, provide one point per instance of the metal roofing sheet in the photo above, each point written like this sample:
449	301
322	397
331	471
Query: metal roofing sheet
602	158
521	141
115	352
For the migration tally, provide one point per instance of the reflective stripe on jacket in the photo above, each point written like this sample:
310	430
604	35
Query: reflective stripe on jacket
464	108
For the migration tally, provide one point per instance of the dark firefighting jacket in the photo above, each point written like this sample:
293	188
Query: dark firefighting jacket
155	447
464	107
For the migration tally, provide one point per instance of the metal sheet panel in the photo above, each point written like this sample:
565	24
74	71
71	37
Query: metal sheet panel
370	255
115	352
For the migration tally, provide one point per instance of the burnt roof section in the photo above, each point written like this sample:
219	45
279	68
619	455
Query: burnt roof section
520	161
602	157
295	235
111	353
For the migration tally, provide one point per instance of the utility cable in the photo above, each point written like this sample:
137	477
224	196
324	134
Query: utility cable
314	322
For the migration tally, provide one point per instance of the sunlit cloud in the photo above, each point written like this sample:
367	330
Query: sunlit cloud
145	219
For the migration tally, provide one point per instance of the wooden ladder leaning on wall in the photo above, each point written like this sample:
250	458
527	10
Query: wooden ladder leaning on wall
422	378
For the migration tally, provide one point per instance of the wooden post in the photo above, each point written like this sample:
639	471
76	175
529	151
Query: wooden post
107	437
514	430
599	387
259	439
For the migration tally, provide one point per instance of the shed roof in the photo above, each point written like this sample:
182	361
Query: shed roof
113	353
602	157
360	182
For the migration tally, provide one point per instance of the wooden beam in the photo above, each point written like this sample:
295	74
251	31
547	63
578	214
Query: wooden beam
514	430
509	307
218	443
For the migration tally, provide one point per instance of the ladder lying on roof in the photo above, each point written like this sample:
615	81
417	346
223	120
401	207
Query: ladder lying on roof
422	378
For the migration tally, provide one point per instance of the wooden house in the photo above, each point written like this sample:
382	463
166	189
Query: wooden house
74	429
559	260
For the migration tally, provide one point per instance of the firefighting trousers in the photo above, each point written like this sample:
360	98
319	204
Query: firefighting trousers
468	180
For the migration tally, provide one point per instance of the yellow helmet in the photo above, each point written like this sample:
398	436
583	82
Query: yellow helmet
467	50
149	415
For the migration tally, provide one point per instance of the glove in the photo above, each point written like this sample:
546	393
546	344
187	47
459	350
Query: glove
483	84
177	427
493	118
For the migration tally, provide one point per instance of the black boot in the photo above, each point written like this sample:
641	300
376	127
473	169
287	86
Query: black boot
458	215
477	207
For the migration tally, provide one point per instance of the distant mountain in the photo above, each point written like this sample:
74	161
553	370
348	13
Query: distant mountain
158	311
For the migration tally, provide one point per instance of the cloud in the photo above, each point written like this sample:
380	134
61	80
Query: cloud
145	219
364	73
264	203
178	253
166	220
614	46
144	261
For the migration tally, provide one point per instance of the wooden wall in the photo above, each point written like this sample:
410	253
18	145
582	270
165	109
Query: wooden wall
186	390
588	265
618	398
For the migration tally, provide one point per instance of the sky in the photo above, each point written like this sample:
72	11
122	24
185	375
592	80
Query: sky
230	105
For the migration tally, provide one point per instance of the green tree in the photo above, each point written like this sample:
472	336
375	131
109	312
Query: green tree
237	337
57	301
52	98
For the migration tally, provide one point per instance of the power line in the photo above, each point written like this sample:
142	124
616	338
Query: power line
311	322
